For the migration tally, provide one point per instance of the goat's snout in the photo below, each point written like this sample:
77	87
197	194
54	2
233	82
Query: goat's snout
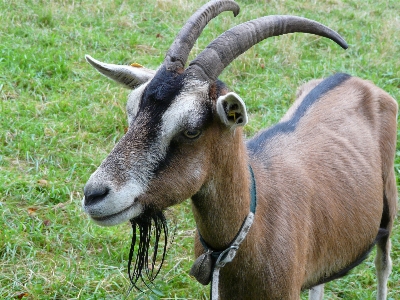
109	205
94	193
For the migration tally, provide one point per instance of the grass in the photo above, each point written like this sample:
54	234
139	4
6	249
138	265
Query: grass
59	119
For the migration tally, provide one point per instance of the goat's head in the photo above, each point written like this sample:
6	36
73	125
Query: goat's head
176	115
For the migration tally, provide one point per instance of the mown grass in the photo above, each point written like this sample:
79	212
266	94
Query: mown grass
59	119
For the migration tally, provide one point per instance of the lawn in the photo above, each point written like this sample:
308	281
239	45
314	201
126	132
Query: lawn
59	119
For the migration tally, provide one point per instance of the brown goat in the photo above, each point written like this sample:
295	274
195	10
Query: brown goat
325	184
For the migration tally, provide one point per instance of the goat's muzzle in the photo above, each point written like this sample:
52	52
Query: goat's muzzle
94	194
110	205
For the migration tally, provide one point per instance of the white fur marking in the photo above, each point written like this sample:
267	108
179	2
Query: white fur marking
316	293
119	204
184	107
383	265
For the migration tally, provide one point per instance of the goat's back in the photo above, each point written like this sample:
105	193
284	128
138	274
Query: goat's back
331	158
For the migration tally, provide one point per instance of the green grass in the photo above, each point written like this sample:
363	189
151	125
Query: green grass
59	119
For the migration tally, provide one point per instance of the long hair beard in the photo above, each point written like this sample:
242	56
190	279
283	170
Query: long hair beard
150	252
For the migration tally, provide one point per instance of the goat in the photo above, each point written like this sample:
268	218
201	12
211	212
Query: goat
324	175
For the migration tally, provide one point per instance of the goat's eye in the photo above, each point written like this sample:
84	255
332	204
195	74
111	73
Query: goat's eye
192	134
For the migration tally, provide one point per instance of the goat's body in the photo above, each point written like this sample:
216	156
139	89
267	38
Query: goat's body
324	175
320	170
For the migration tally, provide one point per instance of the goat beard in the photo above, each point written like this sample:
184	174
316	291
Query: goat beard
153	238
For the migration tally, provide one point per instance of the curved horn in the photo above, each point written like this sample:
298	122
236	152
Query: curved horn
179	51
224	49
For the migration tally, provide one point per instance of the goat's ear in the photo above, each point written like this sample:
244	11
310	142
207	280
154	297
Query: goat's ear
129	76
232	110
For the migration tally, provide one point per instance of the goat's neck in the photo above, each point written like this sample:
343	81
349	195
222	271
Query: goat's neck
223	202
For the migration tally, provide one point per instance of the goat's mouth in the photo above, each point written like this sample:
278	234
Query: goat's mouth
128	213
146	258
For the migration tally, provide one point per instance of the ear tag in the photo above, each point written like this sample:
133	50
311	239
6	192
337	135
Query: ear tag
136	65
202	268
232	114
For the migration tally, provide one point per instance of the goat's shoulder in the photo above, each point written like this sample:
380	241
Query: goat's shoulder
372	93
341	91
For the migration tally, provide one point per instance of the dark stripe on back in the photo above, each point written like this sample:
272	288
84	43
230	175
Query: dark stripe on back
290	125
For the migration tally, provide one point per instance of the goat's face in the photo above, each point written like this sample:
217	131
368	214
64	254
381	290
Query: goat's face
164	157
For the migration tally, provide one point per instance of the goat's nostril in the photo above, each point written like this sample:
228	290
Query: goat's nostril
95	195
